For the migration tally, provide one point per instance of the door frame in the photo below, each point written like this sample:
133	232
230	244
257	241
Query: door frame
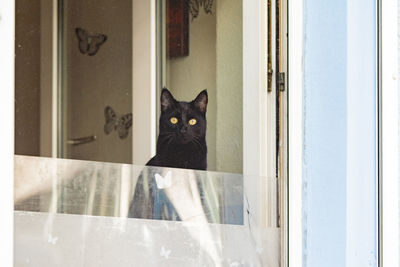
144	76
48	79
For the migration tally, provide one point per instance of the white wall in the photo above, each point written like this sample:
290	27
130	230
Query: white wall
340	133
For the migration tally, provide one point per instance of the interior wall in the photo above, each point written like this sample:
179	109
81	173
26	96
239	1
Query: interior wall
215	63
188	76
27	77
229	86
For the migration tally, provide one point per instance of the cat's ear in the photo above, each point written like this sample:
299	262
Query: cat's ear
167	100
201	101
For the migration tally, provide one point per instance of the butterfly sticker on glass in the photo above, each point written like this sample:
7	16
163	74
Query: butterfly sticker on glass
119	124
195	5
52	240
163	182
89	44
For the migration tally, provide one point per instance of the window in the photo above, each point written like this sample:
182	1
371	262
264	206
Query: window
90	108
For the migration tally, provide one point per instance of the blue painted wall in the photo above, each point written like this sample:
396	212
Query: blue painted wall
339	64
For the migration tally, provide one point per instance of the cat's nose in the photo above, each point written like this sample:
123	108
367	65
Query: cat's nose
183	129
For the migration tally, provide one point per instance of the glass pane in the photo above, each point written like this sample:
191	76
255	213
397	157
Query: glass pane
105	189
78	212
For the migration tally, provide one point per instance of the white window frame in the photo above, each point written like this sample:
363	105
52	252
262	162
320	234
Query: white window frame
390	135
7	16
295	89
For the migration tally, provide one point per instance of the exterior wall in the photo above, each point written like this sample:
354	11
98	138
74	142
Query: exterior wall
340	125
324	106
362	134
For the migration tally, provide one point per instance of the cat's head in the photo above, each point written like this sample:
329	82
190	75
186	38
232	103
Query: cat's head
183	122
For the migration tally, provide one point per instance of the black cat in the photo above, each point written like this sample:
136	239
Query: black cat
182	139
181	144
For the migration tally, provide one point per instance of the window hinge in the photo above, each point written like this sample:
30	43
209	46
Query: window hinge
281	81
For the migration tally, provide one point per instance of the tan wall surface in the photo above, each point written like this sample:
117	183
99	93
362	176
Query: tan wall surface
188	76
215	63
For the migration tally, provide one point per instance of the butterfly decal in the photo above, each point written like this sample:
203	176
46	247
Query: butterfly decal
195	5
89	44
165	253
52	240
163	182
119	124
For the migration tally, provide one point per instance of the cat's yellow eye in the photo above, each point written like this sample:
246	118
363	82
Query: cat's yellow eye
192	122
173	120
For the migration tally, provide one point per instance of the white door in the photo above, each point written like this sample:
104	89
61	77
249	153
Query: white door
99	43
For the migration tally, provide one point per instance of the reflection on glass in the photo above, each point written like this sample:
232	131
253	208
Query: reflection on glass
49	193
105	189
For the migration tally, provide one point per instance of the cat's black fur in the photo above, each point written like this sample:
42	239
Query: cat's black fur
179	145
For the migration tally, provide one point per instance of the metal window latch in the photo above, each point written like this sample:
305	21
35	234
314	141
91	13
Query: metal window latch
281	81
